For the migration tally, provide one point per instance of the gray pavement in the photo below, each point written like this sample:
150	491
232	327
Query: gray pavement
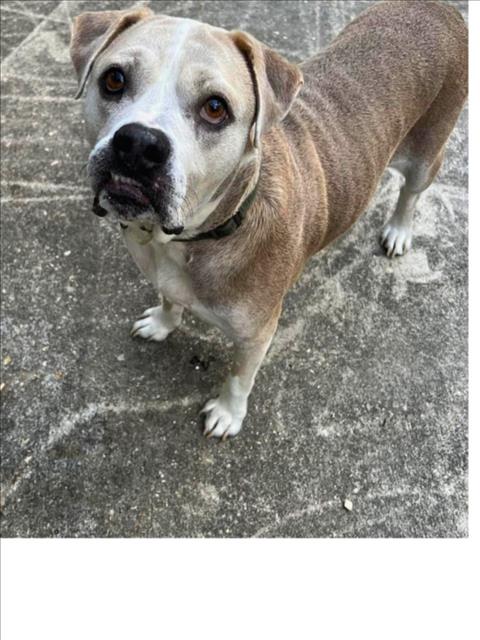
362	396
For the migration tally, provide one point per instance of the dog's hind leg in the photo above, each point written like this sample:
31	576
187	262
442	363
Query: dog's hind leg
157	322
396	237
419	158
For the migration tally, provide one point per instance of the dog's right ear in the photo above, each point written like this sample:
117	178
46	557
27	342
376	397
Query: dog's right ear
93	32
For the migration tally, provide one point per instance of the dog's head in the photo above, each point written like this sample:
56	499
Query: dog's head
174	109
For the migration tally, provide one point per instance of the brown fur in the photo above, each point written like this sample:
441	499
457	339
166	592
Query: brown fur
388	90
394	80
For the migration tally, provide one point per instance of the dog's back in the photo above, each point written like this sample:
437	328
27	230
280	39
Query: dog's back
393	82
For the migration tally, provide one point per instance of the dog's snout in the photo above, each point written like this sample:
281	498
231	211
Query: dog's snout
141	147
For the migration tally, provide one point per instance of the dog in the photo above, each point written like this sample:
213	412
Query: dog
227	167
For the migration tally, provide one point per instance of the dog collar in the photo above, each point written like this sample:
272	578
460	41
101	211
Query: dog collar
230	226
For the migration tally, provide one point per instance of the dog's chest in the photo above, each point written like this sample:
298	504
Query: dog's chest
165	266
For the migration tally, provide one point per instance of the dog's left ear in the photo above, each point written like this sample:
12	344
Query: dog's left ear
276	82
93	32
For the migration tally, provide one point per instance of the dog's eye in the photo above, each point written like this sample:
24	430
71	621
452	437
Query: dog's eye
114	81
214	110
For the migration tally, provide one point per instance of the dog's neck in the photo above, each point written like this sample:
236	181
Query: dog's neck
235	192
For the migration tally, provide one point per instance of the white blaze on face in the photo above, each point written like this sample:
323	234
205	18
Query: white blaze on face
159	107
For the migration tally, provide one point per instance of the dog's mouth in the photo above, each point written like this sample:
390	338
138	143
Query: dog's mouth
130	201
127	196
126	191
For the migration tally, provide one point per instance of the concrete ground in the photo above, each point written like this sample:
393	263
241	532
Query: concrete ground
362	396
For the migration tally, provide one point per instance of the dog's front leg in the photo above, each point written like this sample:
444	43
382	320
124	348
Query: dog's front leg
224	415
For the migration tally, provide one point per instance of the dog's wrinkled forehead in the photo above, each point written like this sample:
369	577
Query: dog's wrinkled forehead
172	61
173	39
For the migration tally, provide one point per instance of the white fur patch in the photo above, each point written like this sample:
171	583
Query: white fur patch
224	415
396	239
156	323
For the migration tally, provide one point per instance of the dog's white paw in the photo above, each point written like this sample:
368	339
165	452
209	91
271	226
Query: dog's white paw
155	324
396	240
224	416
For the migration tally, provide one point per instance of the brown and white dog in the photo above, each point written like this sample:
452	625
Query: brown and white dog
227	167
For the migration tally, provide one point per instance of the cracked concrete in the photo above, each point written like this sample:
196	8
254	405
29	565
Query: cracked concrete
362	396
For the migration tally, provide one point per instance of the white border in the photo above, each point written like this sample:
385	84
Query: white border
229	589
355	589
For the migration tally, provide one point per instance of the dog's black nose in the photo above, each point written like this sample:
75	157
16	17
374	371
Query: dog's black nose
140	147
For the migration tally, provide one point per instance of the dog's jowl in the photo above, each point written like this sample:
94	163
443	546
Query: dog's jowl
227	167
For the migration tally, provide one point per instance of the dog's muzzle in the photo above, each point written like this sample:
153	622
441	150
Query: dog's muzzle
133	177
